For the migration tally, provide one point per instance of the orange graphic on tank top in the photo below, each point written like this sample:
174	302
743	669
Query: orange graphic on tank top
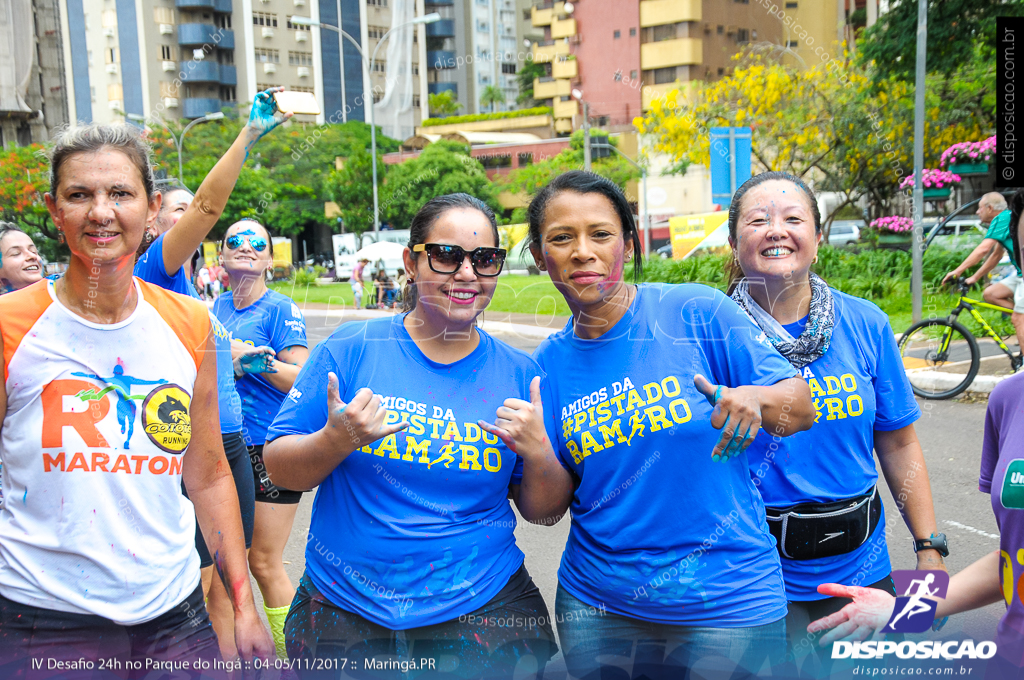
56	417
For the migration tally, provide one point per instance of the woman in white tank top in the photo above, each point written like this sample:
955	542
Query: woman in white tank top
109	401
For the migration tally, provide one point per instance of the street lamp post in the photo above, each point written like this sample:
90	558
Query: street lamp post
368	65
586	130
643	179
179	141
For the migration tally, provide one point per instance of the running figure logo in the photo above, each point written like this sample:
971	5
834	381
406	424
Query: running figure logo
121	384
445	457
636	422
914	612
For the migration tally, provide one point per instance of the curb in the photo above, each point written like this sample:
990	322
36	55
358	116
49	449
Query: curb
519	329
983	384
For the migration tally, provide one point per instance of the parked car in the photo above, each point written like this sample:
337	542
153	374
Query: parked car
665	252
960	232
845	232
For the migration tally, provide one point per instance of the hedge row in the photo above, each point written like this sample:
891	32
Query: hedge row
476	117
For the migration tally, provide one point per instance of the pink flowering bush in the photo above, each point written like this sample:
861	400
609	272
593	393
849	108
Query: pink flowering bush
969	152
932	179
895	224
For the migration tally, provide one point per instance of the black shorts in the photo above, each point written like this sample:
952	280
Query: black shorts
513	628
241	472
266	490
182	635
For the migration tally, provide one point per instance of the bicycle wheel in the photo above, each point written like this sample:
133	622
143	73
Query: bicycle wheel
941	357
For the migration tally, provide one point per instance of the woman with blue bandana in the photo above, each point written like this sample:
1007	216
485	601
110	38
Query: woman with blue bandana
167	246
656	391
820	486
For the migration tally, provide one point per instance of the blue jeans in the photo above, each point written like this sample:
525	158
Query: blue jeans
505	638
599	645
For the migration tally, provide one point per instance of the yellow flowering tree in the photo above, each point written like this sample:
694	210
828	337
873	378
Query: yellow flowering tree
827	124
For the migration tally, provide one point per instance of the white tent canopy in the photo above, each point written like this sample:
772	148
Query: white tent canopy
381	250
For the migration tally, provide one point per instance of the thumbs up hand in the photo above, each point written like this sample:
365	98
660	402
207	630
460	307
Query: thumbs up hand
359	422
520	424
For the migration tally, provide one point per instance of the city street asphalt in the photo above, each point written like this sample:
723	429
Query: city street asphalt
950	433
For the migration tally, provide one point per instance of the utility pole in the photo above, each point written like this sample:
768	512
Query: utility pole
645	220
916	278
586	136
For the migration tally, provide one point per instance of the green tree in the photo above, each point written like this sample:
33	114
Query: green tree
828	124
956	29
492	96
443	104
24	178
444	167
526	75
352	189
530	179
287	170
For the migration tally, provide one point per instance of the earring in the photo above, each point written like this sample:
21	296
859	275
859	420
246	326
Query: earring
815	260
60	236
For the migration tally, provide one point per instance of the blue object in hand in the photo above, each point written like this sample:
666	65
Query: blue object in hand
264	115
257	363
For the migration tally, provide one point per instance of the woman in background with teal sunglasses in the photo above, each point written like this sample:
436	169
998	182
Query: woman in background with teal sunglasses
256	316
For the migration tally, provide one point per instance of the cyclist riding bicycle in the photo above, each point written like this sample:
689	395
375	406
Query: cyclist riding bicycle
1009	292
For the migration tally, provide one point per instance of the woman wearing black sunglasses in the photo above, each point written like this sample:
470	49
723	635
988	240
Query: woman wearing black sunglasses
411	553
257	317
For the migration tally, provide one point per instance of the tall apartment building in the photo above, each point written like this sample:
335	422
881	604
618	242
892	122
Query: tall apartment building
445	42
32	96
818	27
170	58
622	55
477	44
187	58
493	40
343	79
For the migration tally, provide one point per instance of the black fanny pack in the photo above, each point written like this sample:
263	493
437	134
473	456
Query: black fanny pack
812	530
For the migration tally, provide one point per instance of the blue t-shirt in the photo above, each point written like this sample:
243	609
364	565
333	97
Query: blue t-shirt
858	386
660	532
277	322
150	268
415	528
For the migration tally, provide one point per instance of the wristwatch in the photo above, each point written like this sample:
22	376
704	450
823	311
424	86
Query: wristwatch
935	542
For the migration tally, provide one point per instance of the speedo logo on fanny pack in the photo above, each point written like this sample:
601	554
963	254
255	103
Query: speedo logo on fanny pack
926	649
1012	493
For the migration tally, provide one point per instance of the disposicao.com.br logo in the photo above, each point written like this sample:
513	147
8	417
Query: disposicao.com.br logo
915	608
914	612
926	649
